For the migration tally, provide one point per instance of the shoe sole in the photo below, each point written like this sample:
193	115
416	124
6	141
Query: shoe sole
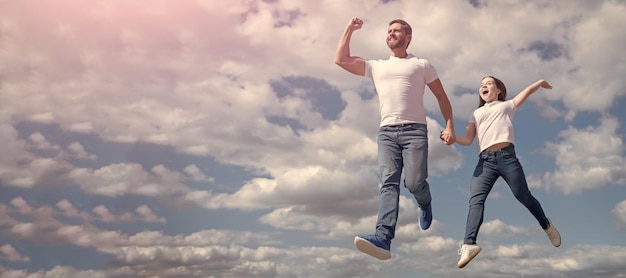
558	235
557	241
371	249
469	259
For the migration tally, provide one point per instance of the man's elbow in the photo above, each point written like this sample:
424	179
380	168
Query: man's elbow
342	64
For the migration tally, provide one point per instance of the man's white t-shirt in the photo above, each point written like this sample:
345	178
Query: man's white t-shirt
494	123
400	84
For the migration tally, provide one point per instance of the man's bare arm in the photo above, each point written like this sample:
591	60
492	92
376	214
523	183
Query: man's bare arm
353	64
448	135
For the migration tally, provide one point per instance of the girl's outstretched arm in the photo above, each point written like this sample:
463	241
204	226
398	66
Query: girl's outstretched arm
520	98
470	133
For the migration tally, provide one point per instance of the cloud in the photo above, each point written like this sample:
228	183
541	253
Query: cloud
148	215
21	205
338	225
8	253
127	178
619	211
251	84
262	254
539	261
586	159
78	151
40	142
195	174
67	209
587	37
496	228
103	214
57	271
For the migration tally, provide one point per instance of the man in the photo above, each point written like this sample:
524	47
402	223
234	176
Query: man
400	83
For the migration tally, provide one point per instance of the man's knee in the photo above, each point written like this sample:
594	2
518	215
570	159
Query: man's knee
417	186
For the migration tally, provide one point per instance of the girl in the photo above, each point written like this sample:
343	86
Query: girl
492	122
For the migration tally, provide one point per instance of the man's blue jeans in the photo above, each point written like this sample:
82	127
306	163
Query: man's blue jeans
401	147
491	165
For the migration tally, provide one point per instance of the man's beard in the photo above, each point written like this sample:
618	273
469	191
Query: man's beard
396	44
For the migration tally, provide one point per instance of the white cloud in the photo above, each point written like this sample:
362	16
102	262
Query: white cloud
326	178
589	35
40	142
123	178
66	208
86	236
195	76
103	214
21	205
5	219
8	252
25	230
619	211
146	214
77	150
496	228
261	254
586	159
196	174
19	167
512	251
433	244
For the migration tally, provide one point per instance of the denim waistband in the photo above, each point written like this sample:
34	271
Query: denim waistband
404	125
508	148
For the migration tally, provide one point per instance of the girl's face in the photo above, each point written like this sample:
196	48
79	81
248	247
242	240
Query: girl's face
488	90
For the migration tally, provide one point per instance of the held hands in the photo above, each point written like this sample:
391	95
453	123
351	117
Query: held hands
448	136
355	24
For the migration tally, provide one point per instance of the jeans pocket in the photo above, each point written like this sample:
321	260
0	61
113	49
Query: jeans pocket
507	155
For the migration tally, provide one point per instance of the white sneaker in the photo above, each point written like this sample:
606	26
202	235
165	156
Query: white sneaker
467	252
553	234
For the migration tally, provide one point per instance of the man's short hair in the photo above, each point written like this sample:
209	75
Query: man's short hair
407	28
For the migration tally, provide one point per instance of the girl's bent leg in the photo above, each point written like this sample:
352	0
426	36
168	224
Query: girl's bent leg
513	173
482	182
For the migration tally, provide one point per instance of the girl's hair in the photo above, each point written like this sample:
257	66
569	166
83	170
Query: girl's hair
499	85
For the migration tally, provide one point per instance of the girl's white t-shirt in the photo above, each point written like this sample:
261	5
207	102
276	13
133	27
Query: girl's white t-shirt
494	123
400	85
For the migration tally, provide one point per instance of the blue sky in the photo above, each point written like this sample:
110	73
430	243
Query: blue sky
218	138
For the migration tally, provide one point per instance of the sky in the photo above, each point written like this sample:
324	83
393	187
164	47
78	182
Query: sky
207	138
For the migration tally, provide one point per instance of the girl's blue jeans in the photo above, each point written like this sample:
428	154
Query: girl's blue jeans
492	165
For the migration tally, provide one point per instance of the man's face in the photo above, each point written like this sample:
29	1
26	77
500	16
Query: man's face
396	38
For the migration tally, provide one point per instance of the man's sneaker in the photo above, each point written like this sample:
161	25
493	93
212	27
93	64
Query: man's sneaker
374	246
426	217
467	252
553	234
